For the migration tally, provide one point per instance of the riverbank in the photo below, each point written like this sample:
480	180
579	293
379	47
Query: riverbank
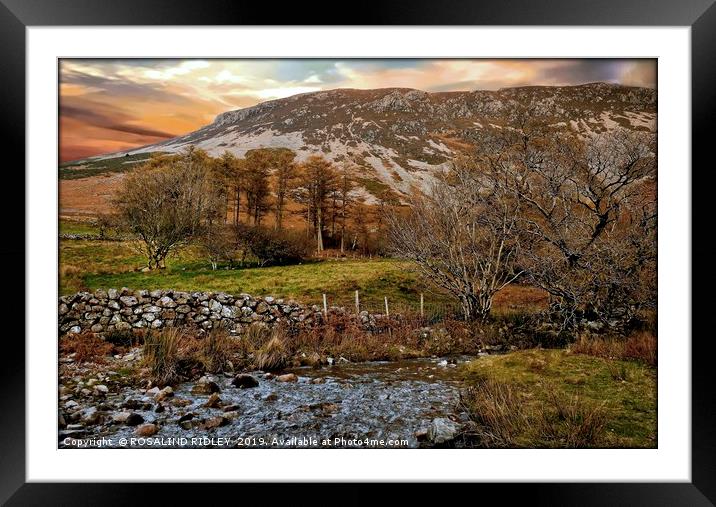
418	402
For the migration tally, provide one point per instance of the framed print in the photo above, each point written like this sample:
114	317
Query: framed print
428	246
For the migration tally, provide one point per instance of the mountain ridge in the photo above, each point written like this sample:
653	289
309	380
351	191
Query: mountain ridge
402	137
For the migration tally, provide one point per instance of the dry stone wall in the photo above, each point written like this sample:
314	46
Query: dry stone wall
104	311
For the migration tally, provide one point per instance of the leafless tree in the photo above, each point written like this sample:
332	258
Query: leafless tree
164	206
578	202
217	241
463	236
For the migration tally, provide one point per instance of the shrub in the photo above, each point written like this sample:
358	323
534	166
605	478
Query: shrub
272	247
87	347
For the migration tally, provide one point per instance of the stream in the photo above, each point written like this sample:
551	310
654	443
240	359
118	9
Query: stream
341	406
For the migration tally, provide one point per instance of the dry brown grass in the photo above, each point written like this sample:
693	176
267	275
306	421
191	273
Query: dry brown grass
503	416
641	346
496	409
87	347
516	298
275	354
161	355
217	349
572	422
638	346
343	336
175	354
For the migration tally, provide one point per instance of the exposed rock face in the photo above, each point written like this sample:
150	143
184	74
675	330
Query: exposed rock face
124	309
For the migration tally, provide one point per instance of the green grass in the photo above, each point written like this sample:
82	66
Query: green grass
104	264
375	187
77	227
83	169
626	389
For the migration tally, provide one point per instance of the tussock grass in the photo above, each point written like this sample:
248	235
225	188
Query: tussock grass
496	410
176	354
275	354
502	417
217	348
161	355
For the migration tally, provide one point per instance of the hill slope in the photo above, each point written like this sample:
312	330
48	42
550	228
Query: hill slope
396	137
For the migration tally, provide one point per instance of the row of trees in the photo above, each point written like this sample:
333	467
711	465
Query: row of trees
268	180
576	217
218	202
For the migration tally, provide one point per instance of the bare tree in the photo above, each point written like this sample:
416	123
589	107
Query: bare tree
578	199
462	236
166	205
217	241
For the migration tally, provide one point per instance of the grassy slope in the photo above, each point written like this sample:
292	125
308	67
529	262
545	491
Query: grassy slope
104	264
77	227
630	404
74	170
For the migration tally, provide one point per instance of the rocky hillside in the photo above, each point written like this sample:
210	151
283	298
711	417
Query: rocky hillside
397	137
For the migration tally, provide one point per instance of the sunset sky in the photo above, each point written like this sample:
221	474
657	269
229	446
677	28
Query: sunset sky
111	105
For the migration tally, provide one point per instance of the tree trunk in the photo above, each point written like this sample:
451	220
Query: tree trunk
476	307
279	212
319	229
237	219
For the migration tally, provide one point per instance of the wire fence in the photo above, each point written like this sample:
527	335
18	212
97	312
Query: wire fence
422	308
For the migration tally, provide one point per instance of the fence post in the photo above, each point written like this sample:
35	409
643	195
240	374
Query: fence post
357	303
387	312
422	313
325	307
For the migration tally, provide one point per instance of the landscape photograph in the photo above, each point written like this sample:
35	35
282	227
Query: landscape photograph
357	253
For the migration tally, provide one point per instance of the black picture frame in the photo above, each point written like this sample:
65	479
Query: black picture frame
16	15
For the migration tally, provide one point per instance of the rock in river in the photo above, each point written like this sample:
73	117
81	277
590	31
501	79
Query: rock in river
213	402
146	430
244	381
442	430
205	386
288	377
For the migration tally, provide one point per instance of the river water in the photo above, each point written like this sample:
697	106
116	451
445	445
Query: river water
350	405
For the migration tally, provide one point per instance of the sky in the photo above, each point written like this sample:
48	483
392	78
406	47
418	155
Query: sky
110	105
